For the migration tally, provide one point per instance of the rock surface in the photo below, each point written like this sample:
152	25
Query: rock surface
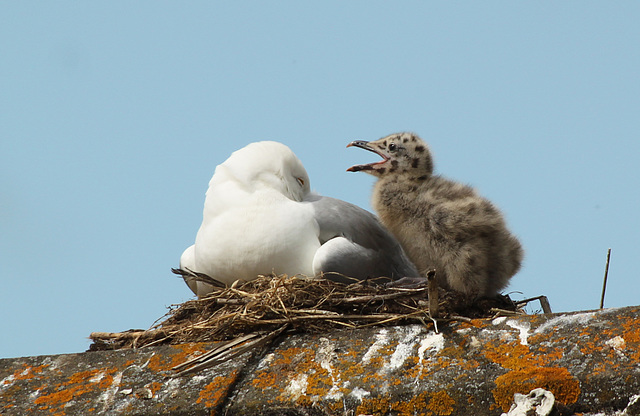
589	361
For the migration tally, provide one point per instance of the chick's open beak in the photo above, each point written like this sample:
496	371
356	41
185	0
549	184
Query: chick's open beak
366	146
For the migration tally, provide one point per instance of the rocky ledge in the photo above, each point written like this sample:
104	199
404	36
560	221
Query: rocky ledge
589	361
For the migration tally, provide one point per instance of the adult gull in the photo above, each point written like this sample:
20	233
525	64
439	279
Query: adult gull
260	217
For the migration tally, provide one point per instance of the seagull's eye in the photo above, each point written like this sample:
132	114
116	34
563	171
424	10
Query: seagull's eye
300	181
393	147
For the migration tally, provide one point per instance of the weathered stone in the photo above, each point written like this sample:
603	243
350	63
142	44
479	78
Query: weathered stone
539	402
590	362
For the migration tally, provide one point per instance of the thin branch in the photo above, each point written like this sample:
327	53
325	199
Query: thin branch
460	319
373	317
604	284
315	312
388	296
129	335
502	312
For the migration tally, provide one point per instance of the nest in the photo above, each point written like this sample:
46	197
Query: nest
271	303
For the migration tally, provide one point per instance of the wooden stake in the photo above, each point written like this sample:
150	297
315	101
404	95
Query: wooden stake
604	284
434	304
544	302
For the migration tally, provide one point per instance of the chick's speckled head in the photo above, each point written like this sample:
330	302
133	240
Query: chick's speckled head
402	153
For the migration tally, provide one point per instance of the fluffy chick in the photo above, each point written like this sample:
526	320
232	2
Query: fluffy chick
440	224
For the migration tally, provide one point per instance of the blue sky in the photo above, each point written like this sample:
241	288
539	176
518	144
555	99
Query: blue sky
113	117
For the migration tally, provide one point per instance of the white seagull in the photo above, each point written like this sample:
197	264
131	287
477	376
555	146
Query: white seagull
260	217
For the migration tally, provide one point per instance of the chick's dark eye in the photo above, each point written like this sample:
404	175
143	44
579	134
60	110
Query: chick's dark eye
392	147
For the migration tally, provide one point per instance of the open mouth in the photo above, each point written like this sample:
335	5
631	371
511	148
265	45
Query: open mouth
369	166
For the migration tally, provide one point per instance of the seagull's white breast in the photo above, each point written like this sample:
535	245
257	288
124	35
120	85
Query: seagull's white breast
244	234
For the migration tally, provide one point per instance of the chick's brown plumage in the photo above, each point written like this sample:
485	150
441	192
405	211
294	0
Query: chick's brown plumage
440	223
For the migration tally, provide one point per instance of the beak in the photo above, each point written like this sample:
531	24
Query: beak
363	144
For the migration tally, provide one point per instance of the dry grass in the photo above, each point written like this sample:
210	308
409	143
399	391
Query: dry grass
305	304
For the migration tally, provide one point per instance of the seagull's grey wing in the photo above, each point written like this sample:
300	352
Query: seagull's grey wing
354	242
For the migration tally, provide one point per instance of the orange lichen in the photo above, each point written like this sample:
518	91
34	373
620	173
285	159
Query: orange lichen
512	355
99	377
441	403
264	380
215	392
319	384
529	371
631	335
294	361
588	344
481	323
374	405
77	384
26	373
293	356
348	365
154	387
425	403
557	380
160	363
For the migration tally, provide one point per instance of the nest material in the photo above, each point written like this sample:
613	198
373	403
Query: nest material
303	304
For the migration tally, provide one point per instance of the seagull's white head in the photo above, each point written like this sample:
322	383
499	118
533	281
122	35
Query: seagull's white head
269	164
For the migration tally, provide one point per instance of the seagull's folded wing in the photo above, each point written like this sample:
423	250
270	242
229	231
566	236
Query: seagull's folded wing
354	242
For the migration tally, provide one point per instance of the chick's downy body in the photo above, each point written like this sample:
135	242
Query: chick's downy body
440	223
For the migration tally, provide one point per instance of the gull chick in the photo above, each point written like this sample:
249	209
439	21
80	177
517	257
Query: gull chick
440	223
260	217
